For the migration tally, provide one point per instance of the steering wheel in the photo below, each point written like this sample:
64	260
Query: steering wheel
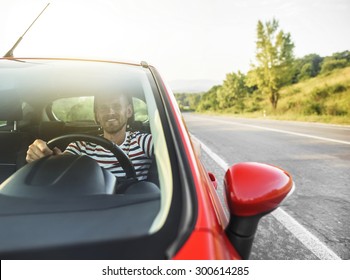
117	152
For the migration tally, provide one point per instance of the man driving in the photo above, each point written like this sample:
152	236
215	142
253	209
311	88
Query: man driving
112	113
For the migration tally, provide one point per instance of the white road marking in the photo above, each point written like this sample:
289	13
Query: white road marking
280	131
311	242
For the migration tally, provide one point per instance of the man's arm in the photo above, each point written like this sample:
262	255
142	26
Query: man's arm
145	141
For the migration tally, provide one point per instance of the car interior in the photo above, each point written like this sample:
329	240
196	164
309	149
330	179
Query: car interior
21	126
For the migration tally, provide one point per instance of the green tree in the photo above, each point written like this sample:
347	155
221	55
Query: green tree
233	91
274	56
306	67
193	101
329	64
342	55
188	101
336	61
209	101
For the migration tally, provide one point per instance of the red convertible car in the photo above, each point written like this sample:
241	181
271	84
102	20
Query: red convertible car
69	207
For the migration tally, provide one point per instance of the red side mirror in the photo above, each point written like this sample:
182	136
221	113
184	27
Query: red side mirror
252	191
256	188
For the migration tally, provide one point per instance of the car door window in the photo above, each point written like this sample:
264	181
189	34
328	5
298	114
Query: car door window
74	109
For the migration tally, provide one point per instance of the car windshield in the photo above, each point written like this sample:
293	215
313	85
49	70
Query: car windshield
44	99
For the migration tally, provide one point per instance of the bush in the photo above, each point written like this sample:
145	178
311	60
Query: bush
335	110
319	93
331	64
314	108
291	104
305	72
337	88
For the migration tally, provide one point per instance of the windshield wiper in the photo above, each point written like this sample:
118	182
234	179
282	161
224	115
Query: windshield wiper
9	54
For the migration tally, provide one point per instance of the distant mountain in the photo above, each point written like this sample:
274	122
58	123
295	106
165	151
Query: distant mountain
192	86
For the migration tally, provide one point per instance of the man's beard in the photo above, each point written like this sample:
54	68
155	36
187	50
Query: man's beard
114	128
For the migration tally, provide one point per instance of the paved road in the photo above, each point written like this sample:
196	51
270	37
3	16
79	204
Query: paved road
314	222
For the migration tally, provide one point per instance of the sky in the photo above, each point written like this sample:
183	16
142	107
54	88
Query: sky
183	39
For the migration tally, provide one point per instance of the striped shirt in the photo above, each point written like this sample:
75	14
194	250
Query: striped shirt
137	146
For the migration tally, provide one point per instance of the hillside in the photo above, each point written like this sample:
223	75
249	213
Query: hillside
324	98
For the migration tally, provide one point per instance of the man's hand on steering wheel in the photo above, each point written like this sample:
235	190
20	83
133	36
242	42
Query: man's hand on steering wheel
39	149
